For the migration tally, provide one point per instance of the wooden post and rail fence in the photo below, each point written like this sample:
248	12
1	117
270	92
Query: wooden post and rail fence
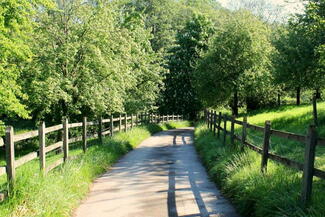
310	141
116	124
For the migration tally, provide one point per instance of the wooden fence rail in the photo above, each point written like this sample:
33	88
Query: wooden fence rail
311	141
120	123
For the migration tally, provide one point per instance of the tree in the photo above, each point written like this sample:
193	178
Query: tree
88	59
179	95
313	21
290	61
299	50
160	17
15	24
145	66
237	64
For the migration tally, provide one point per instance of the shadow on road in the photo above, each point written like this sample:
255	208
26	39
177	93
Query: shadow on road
147	176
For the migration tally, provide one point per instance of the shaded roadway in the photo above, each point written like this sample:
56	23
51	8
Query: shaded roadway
162	177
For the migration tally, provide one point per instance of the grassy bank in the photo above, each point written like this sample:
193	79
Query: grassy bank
57	193
295	119
237	172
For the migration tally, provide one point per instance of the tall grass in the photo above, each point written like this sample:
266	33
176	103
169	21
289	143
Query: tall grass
57	193
237	171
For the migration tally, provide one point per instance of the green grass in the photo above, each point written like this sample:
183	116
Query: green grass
237	172
295	119
60	191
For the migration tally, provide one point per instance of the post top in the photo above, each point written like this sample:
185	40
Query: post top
9	129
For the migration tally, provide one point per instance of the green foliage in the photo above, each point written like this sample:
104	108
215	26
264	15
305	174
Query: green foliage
179	95
89	61
298	62
237	62
14	28
160	19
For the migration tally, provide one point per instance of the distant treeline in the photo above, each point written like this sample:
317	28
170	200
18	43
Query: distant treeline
97	57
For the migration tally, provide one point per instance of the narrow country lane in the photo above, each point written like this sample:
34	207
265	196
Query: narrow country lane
162	177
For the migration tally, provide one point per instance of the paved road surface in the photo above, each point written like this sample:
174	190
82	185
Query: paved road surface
163	177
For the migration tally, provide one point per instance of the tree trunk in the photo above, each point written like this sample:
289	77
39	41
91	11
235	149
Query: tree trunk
235	105
279	99
318	94
298	96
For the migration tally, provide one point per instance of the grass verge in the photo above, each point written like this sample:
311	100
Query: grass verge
60	191
237	173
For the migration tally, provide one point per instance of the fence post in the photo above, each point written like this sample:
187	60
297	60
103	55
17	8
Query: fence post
214	122
207	118
144	120
10	156
125	122
100	129
65	139
112	125
232	131
266	144
244	131
42	153
131	121
211	120
225	129
219	123
120	123
315	110
308	172
141	118
136	119
84	134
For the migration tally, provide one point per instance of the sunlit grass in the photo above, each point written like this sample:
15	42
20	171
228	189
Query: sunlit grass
277	193
290	118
